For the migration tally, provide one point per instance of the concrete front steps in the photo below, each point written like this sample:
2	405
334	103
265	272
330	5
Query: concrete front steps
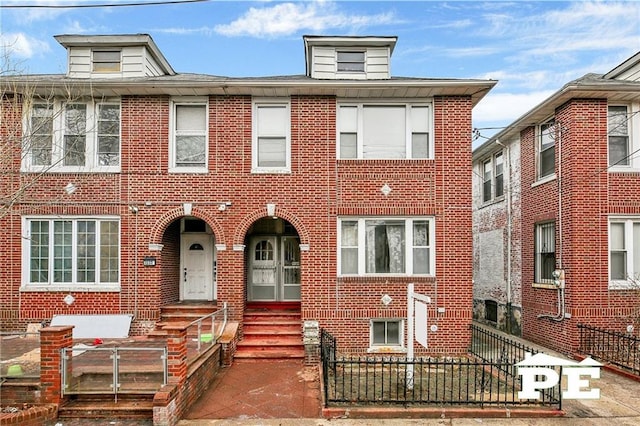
271	332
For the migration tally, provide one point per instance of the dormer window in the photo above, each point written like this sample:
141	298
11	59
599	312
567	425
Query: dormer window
350	61
106	60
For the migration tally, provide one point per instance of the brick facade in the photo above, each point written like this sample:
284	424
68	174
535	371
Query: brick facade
319	190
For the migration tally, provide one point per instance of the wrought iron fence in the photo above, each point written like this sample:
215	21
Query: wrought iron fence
113	370
495	348
442	381
619	349
19	355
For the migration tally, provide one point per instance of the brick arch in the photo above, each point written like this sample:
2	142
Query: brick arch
161	225
248	220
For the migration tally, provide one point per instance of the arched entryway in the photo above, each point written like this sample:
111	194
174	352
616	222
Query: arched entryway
273	261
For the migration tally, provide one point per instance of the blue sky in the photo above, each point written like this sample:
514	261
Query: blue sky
531	48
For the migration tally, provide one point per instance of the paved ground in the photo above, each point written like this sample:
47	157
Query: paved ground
286	393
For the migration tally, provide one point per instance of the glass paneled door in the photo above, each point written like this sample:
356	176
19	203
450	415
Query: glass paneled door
274	269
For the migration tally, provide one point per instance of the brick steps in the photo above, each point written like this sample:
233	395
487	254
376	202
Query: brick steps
106	407
271	333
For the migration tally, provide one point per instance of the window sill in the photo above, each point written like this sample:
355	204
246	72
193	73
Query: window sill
547	286
387	350
623	285
188	170
492	201
274	171
544	180
623	169
50	169
70	288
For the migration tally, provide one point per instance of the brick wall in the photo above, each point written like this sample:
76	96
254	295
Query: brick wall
589	194
312	197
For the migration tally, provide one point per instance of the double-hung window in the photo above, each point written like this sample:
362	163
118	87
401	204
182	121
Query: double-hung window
386	333
350	61
271	143
545	252
618	134
71	252
72	136
624	252
546	149
385	131
386	246
106	60
493	177
189	135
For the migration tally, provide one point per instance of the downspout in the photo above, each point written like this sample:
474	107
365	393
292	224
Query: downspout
509	225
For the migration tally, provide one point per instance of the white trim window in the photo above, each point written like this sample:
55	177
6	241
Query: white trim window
350	61
624	252
493	177
547	148
72	136
385	131
386	334
189	135
271	142
545	252
106	60
618	132
386	246
71	252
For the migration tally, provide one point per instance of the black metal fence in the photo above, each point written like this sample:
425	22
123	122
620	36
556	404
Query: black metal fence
492	347
425	380
619	349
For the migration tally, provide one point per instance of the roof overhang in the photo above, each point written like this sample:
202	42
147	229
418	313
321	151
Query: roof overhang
268	87
614	91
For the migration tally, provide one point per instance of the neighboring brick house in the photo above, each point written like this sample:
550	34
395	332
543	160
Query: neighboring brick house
559	190
139	187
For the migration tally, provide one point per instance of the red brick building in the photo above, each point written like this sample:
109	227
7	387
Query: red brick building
559	191
129	186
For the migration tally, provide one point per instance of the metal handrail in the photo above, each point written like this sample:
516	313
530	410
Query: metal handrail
212	315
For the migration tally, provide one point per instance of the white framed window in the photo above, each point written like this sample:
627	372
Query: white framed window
387	334
385	131
624	252
72	136
350	61
545	252
189	135
618	132
104	60
71	252
271	141
493	177
546	149
386	246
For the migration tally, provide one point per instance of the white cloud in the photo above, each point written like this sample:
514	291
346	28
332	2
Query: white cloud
288	18
22	46
506	106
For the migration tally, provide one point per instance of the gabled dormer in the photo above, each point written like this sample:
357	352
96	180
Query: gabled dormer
113	56
349	58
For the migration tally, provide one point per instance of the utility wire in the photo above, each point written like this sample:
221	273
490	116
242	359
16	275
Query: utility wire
96	5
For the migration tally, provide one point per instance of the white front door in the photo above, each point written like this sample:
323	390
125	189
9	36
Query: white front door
274	269
197	270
